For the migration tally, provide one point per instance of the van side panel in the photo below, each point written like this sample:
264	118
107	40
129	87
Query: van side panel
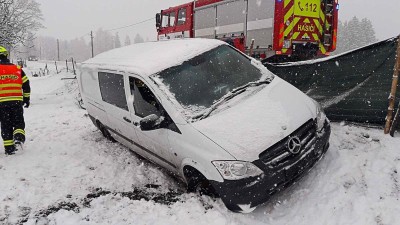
90	91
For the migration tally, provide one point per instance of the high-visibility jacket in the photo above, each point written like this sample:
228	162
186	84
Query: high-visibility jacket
11	80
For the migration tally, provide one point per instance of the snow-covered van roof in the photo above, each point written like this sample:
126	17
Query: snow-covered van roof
151	57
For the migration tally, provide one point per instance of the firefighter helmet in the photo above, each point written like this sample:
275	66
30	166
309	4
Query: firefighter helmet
3	51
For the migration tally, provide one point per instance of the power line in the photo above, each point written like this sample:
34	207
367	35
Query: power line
131	25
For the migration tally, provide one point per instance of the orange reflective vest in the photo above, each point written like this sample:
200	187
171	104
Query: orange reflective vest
10	83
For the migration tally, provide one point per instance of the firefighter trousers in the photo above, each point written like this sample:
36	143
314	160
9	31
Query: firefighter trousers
12	123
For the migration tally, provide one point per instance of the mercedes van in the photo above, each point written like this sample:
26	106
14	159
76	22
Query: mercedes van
209	114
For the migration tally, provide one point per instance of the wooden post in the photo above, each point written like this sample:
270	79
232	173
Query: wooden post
392	97
56	66
66	64
91	42
58	50
396	121
73	65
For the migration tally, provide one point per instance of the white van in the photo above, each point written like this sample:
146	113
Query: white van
208	113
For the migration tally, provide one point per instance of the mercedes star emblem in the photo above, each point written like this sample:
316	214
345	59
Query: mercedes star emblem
294	145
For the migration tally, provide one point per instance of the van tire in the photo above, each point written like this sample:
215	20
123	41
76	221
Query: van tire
198	183
105	132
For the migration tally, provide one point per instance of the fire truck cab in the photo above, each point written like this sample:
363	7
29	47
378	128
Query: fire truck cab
300	29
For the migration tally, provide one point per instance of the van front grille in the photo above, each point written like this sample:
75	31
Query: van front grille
279	153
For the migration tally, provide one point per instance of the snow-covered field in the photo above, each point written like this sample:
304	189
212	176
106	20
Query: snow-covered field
69	174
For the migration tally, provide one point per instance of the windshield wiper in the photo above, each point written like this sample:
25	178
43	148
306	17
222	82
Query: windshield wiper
251	84
235	92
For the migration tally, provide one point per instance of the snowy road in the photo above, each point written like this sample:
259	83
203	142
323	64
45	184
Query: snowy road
69	174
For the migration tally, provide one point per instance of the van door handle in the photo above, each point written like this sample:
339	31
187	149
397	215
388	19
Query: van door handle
127	120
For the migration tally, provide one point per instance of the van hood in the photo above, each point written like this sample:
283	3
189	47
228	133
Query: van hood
254	123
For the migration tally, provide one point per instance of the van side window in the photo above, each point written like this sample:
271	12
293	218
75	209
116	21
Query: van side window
112	89
145	101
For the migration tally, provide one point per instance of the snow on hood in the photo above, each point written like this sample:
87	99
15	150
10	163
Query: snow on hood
258	122
152	57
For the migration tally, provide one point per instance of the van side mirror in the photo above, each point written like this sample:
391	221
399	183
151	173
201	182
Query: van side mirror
151	122
158	20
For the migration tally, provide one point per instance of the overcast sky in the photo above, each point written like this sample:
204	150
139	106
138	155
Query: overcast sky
68	19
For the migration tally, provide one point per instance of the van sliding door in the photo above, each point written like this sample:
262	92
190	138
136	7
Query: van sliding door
113	93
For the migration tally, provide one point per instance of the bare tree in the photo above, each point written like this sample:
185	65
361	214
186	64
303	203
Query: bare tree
19	19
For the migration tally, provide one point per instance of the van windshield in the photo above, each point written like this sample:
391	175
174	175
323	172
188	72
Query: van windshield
201	81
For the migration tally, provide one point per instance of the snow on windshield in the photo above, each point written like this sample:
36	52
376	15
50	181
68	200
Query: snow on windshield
201	81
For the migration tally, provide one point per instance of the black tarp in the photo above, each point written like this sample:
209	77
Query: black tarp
353	86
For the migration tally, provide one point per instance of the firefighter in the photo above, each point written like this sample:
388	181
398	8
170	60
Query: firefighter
14	94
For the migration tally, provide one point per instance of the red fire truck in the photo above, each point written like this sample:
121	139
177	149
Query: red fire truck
301	29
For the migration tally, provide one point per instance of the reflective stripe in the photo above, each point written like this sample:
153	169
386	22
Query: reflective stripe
291	26
319	26
27	95
8	143
10	85
25	79
295	35
288	14
322	48
315	37
18	92
286	3
7	99
19	131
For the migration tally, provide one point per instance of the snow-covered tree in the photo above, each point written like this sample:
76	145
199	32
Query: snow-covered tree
103	41
19	19
80	50
138	39
48	47
127	40
117	41
355	34
369	32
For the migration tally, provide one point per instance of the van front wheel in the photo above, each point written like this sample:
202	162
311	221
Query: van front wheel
200	185
105	132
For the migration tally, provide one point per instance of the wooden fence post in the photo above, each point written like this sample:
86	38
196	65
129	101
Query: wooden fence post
396	121
56	66
66	64
392	97
73	66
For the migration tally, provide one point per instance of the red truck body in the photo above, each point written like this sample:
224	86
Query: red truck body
302	28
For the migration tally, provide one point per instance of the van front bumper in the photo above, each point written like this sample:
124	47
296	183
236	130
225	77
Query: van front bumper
248	193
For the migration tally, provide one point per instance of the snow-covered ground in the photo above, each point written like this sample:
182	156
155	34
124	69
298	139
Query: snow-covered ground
69	174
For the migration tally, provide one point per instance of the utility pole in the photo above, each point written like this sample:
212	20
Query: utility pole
58	50
91	38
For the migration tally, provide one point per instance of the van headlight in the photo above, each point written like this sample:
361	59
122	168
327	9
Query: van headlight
236	170
321	116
